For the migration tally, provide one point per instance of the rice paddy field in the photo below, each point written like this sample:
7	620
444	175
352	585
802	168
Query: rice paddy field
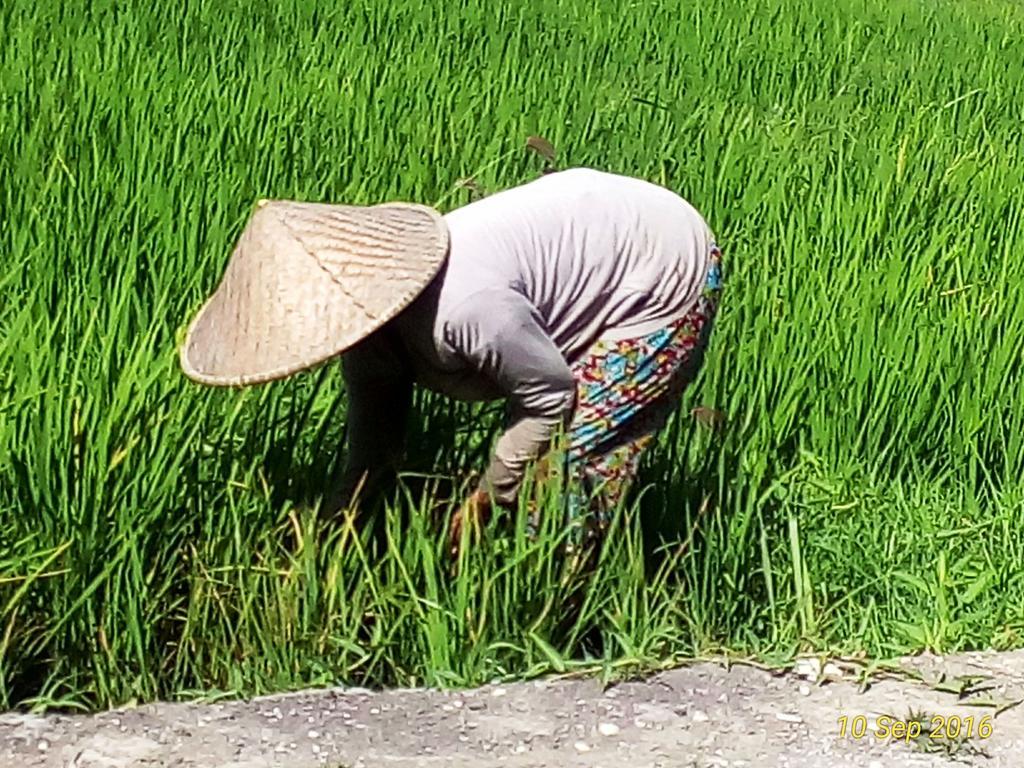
861	162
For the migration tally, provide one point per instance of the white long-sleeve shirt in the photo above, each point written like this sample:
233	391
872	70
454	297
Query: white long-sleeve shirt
535	275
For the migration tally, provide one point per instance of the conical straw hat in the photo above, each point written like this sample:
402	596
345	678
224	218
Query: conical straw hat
306	281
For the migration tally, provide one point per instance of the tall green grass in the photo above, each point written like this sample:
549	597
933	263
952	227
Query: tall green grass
860	161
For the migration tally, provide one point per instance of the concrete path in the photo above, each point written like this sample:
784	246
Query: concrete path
699	715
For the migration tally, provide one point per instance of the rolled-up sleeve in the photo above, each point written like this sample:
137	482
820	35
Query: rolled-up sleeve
500	334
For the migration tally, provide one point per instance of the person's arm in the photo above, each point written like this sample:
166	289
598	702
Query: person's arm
501	335
379	397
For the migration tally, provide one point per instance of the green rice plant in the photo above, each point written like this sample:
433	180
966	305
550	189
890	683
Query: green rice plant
860	162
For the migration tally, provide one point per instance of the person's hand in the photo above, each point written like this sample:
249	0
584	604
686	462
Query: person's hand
474	513
349	492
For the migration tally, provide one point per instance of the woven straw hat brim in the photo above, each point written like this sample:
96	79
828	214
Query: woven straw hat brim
305	282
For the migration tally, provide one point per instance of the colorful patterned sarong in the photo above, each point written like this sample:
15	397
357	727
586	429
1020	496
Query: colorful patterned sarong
627	391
